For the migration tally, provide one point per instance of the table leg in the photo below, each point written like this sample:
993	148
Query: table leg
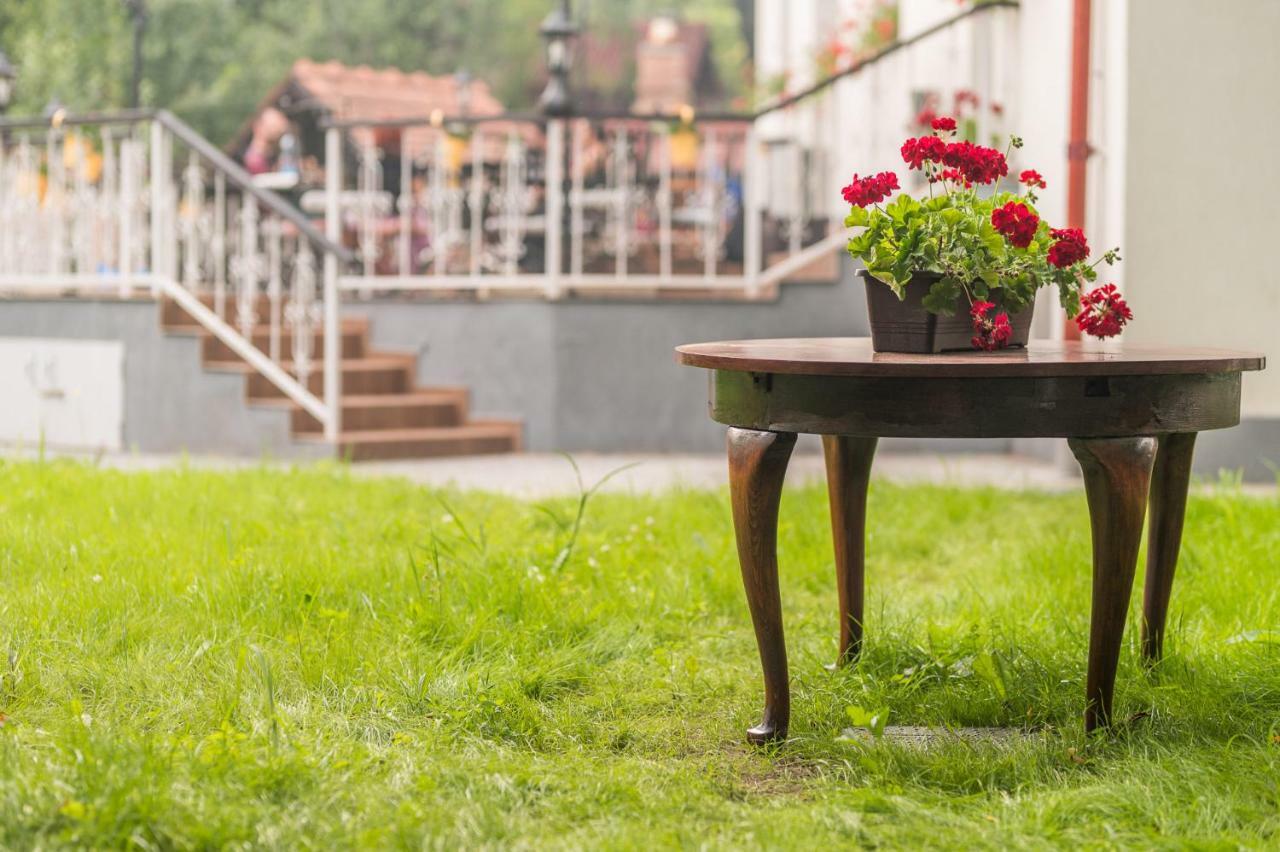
757	464
1168	505
848	471
1117	476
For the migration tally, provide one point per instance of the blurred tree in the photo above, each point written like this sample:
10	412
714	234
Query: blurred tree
212	61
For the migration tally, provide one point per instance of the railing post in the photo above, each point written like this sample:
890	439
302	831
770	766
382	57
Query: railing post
577	219
332	335
664	207
219	245
125	200
554	206
157	204
753	177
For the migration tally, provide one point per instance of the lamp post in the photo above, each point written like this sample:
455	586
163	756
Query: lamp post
138	18
8	74
558	30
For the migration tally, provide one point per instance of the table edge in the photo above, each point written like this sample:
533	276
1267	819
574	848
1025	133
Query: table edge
1234	363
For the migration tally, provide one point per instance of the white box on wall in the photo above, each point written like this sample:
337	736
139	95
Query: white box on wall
67	393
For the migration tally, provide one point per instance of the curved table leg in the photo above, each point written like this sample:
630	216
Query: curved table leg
848	471
1117	476
757	463
1169	483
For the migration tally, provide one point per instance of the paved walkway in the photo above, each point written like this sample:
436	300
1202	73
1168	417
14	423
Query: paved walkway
534	475
546	474
543	474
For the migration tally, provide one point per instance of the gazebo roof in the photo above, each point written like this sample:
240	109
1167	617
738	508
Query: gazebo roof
361	93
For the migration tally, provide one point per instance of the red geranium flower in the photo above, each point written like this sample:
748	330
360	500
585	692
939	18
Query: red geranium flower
1031	177
1070	247
989	334
977	163
966	96
943	123
871	189
916	151
1103	312
1016	221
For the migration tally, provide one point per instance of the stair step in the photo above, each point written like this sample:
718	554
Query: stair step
478	438
173	317
373	374
421	408
355	333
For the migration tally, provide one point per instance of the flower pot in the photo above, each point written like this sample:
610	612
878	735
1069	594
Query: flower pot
905	326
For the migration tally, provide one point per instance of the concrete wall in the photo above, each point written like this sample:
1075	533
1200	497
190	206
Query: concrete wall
171	404
601	376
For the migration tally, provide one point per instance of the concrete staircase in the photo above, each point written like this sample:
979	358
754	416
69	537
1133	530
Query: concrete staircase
385	415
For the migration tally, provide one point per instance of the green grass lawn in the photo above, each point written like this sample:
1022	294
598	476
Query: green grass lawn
310	659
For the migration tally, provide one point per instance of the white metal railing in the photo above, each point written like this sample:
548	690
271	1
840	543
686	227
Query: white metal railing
137	202
619	202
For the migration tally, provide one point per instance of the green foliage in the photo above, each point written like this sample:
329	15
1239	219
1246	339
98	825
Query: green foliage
951	235
318	659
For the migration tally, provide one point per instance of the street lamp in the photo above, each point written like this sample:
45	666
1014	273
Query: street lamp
8	74
558	30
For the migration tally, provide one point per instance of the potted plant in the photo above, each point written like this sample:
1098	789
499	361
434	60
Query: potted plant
959	269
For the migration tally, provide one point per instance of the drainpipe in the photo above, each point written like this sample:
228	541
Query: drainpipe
1078	148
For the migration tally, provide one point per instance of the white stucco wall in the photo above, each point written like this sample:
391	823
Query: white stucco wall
1202	180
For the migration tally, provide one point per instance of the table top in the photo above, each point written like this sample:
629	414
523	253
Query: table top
853	356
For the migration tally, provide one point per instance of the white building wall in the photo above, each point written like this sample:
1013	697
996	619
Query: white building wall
1202	180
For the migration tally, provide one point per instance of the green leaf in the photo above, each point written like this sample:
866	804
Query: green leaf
942	297
873	720
886	276
857	218
990	668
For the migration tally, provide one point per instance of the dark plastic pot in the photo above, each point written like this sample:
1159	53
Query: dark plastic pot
905	326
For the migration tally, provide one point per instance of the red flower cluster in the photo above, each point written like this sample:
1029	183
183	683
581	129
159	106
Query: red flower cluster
943	123
1031	177
916	151
1103	312
871	189
954	176
1070	247
976	163
1016	221
989	333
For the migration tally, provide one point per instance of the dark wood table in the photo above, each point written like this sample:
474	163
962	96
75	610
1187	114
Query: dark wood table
1130	417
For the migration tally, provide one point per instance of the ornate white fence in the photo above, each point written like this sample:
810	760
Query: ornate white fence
138	203
567	205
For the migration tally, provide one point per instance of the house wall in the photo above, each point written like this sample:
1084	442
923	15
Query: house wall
171	403
1197	210
601	375
1202	180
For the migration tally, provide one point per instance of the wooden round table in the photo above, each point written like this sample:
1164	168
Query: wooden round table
1130	416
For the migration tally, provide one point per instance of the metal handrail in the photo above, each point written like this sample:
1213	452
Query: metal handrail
241	178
